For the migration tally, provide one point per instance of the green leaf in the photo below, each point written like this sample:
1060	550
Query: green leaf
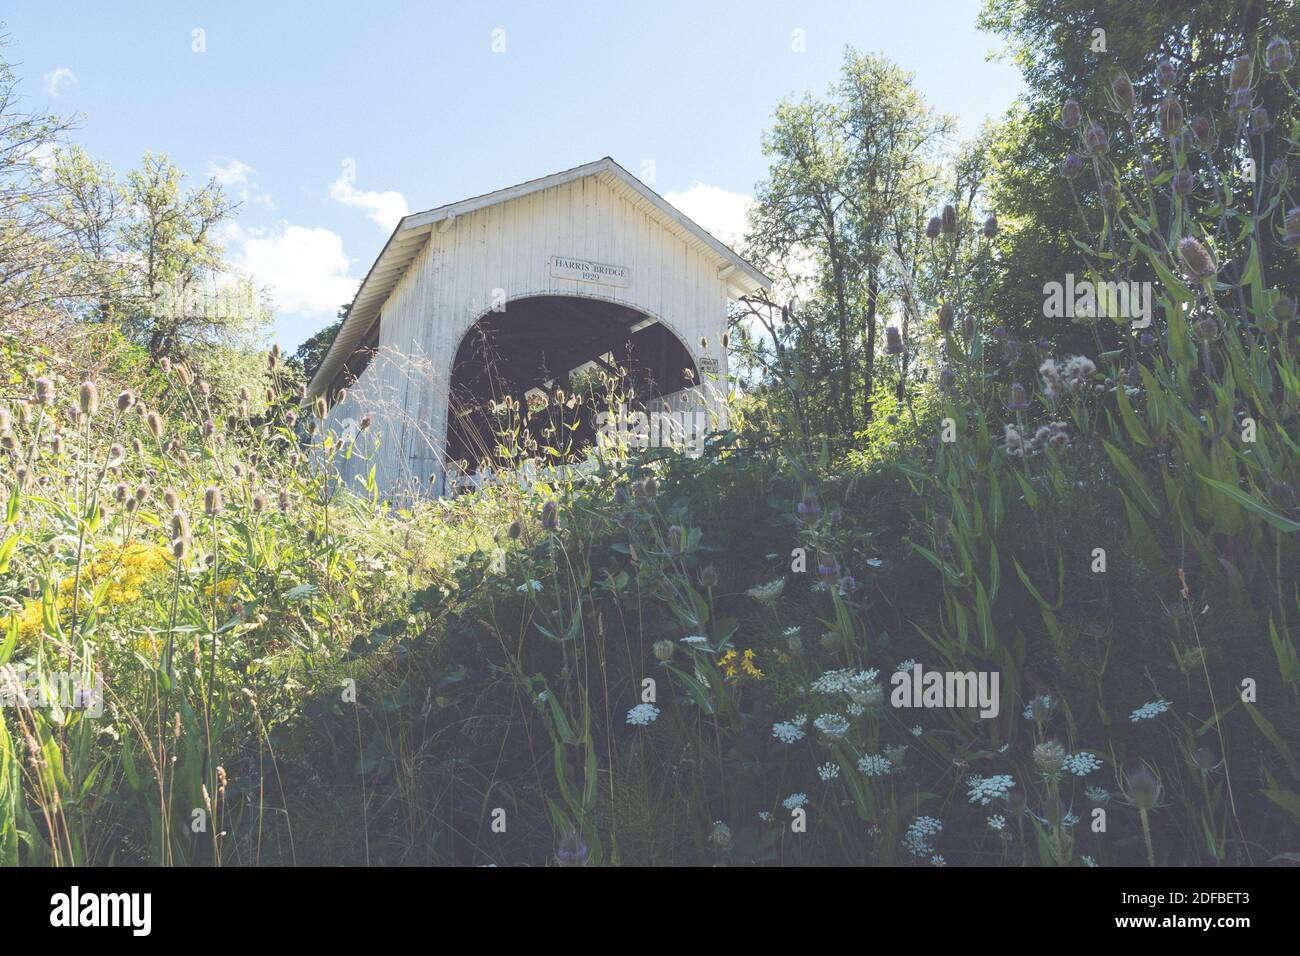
1250	504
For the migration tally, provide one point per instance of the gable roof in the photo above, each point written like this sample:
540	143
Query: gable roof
413	232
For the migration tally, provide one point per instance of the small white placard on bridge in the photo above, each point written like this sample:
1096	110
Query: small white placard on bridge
584	270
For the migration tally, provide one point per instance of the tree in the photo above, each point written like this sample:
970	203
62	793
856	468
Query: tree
849	176
1059	53
312	352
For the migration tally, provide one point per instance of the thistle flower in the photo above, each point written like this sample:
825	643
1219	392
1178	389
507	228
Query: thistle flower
1196	258
1122	87
44	392
1170	113
1071	114
125	400
1166	74
808	510
894	340
949	219
933	227
1277	55
1242	75
212	504
828	568
1019	398
1071	166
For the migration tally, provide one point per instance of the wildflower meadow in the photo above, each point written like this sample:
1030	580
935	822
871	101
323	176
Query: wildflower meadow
991	557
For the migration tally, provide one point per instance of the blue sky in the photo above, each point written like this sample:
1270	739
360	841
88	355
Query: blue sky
416	99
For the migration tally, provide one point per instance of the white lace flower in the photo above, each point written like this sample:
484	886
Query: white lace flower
1149	710
875	765
828	771
1082	763
984	790
795	801
642	715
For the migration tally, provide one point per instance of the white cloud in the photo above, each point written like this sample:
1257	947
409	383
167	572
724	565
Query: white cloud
384	208
236	177
718	210
304	269
58	79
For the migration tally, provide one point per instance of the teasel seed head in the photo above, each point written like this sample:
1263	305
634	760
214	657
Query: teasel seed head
1166	74
1284	310
125	400
137	447
1277	55
1242	75
320	407
155	425
990	226
171	499
259	503
44	392
949	219
204	388
1142	787
933	227
120	492
1071	114
1096	141
1196	258
1204	132
1071	166
1170	112
1122	87
946	315
212	504
283	500
1184	183
180	525
183	373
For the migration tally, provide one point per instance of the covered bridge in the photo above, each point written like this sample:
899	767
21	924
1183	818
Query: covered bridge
509	294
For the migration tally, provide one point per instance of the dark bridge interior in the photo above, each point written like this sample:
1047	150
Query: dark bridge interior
535	344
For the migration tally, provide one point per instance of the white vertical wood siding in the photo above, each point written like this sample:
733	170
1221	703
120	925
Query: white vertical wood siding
450	285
